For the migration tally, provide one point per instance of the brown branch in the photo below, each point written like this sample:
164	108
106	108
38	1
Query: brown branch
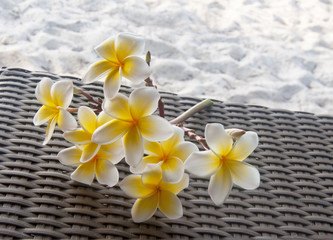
192	135
95	104
89	97
161	108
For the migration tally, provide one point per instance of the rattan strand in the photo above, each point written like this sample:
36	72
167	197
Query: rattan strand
39	200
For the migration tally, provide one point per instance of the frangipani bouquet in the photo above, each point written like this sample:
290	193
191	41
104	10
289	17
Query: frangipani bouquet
127	127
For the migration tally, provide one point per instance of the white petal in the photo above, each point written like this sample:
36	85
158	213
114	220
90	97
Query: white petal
103	118
174	140
244	146
183	150
62	93
135	69
43	92
98	71
85	173
144	208
172	170
170	205
154	128
77	136
107	50
151	175
133	147
43	115
218	140
203	163
244	174
70	156
133	187
65	120
106	173
143	102
113	152
127	44
153	148
176	187
89	151
50	129
220	185
112	83
110	132
146	160
87	119
112	158
114	148
118	108
137	169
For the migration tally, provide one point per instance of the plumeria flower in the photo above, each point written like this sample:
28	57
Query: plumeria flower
89	122
133	121
100	165
152	193
120	61
224	162
56	98
171	154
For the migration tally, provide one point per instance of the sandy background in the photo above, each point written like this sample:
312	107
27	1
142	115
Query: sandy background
272	53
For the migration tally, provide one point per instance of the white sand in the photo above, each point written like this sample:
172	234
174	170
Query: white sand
272	53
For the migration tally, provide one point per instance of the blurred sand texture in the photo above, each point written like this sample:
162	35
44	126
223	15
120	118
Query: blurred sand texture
272	53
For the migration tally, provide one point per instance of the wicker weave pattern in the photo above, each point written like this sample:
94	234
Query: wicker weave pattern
39	200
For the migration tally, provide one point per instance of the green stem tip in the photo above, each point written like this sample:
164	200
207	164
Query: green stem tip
193	110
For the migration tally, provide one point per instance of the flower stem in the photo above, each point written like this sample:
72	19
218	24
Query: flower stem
192	135
88	96
98	102
149	83
161	107
71	110
193	110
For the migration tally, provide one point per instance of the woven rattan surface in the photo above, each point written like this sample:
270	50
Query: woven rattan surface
39	200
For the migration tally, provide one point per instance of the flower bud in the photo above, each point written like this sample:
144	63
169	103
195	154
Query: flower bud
77	90
148	58
235	133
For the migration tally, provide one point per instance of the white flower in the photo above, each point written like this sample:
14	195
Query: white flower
121	61
56	98
100	165
224	162
82	136
170	154
133	121
153	193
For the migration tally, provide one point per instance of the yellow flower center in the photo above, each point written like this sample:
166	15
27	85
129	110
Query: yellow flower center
157	189
95	158
134	122
120	64
223	160
57	111
164	158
